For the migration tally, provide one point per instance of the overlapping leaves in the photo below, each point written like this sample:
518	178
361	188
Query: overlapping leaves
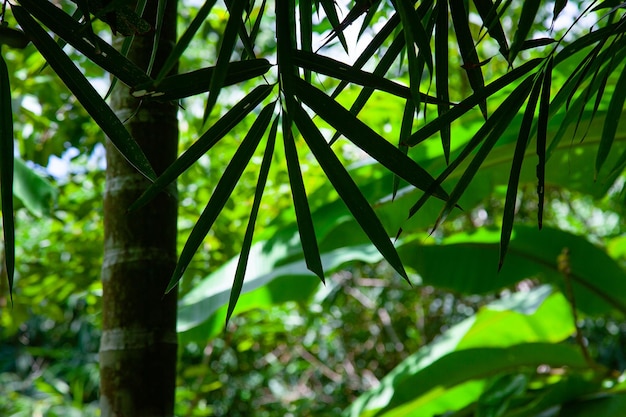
414	39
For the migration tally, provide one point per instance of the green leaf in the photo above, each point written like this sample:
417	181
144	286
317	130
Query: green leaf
542	137
441	73
473	100
333	18
301	204
342	71
506	112
348	191
189	84
244	254
73	33
222	192
85	93
306	30
184	41
489	14
14	38
226	48
471	63
510	202
6	173
34	191
527	18
365	138
616	106
161	5
285	45
204	143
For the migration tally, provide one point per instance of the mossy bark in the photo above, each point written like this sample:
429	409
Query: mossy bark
138	347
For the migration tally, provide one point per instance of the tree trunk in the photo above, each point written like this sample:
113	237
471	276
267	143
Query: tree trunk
138	347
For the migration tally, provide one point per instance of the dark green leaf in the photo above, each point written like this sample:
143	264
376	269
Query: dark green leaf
244	254
189	84
467	104
348	190
542	137
468	50
222	192
508	215
14	38
342	71
226	48
489	14
535	43
6	173
616	106
559	5
185	39
286	44
527	18
301	204
73	33
306	30
36	193
205	142
441	73
365	138
85	93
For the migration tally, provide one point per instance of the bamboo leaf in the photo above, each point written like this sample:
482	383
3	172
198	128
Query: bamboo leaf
205	142
222	192
614	111
489	132
196	82
473	100
161	4
365	138
306	30
185	39
441	76
342	71
405	131
85	93
348	190
242	262
489	14
333	18
508	215
72	32
6	173
467	49
510	108
225	50
301	205
559	5
542	137
527	18
285	45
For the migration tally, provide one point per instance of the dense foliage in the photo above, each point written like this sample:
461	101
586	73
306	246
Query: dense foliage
500	319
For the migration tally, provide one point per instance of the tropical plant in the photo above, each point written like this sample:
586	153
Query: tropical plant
543	86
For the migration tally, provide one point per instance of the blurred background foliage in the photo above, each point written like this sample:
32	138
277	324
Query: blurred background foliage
296	347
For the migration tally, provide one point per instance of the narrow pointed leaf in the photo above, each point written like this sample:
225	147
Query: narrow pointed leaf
559	5
242	262
205	142
85	93
6	173
497	123
405	131
542	137
468	50
333	18
614	111
161	4
73	33
508	215
489	14
441	73
243	34
301	205
185	39
306	30
473	100
222	192
527	18
348	190
337	69
365	138
196	82
285	45
417	46
226	48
